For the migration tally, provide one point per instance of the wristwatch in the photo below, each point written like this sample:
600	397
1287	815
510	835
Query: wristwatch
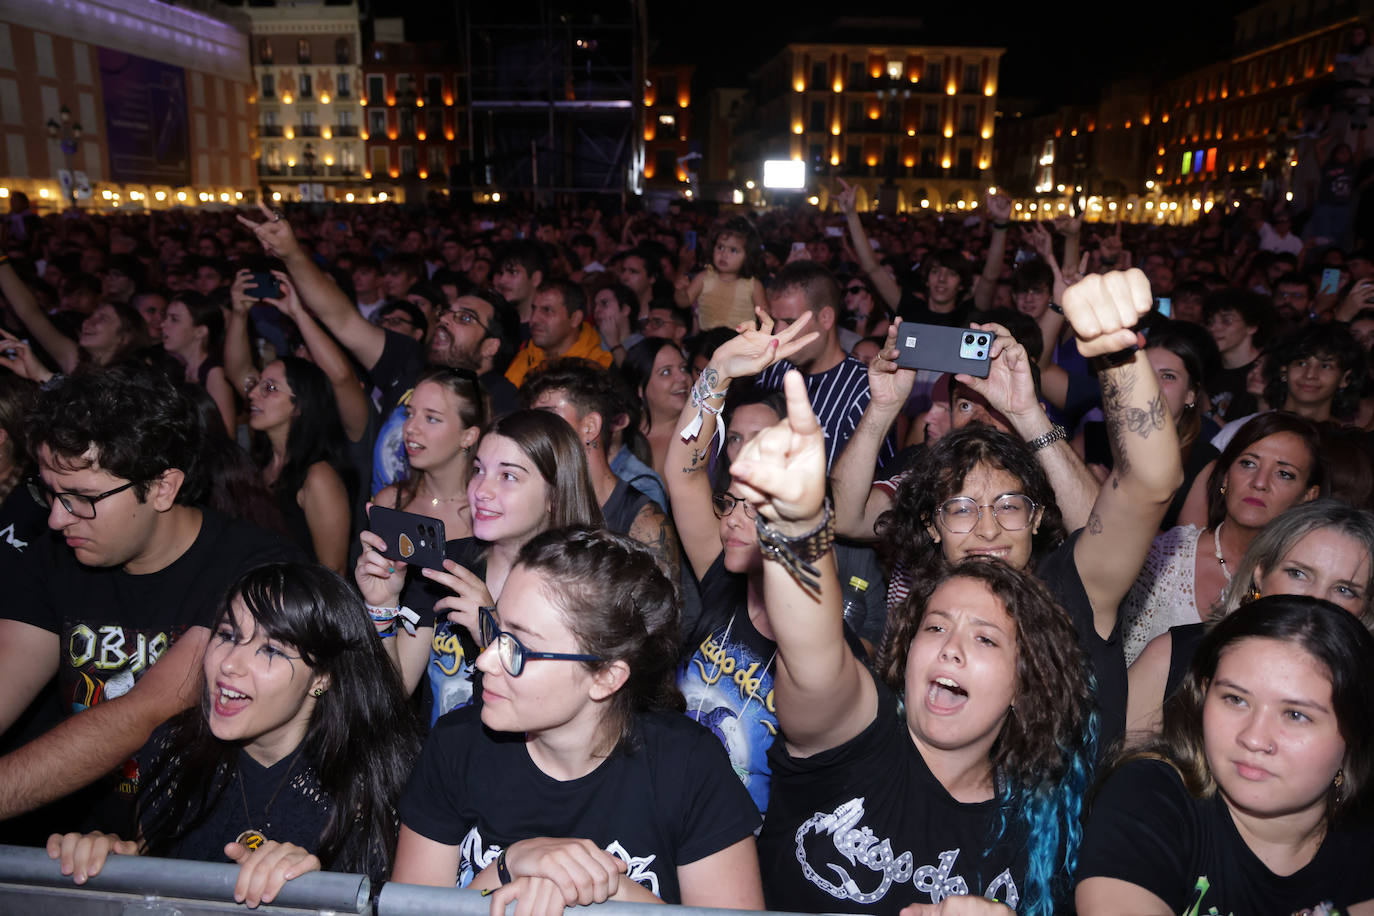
1055	434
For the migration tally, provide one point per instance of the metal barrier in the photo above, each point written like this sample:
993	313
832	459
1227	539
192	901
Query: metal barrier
31	884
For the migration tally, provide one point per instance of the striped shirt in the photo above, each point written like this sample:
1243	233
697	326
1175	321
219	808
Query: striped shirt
838	397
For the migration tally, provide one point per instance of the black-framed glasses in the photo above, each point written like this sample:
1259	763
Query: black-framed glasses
76	504
512	652
1013	511
851	290
724	503
466	316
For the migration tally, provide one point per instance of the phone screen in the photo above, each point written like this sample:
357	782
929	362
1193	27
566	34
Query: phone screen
1331	281
1165	307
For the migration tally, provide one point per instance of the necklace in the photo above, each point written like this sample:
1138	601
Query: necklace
435	500
252	837
1216	542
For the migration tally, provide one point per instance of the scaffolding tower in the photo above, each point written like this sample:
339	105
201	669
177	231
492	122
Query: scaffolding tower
554	96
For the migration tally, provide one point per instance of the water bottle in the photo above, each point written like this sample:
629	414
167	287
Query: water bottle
855	608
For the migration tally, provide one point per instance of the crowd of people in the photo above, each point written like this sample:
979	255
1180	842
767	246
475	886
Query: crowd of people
717	594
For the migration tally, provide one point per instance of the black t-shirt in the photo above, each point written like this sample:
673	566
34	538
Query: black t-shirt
914	308
1106	657
113	625
1183	642
866	826
283	802
1147	830
670	802
727	679
1226	389
403	362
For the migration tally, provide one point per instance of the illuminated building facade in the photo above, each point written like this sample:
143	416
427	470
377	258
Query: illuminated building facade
309	98
415	121
911	125
149	103
667	126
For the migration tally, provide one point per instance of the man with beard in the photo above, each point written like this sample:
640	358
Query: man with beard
478	332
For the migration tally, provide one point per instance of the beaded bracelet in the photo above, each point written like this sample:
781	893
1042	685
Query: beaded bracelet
701	393
391	615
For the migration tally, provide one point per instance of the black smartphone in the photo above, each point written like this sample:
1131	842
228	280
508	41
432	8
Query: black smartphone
410	538
940	349
262	285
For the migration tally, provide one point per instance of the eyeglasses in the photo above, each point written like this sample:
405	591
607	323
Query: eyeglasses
851	290
75	504
724	503
1012	511
466	316
653	323
396	320
512	652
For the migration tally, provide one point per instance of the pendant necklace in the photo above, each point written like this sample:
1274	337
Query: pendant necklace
253	838
1216	542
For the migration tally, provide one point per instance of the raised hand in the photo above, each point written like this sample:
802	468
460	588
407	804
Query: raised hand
469	593
848	198
751	351
1103	310
1010	386
274	233
239	299
290	303
889	386
1040	240
782	469
264	870
17	356
1068	225
83	855
380	580
999	207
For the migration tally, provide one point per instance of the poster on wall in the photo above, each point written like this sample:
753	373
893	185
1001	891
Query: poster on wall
146	126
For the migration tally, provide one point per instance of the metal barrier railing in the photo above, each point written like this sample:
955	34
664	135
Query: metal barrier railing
413	900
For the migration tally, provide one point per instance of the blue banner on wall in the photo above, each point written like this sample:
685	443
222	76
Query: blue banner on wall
146	127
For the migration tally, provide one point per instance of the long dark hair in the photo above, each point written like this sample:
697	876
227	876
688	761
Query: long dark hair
1261	427
620	607
902	534
205	313
361	739
1188	345
638	368
1330	635
1043	756
235	484
316	432
473	410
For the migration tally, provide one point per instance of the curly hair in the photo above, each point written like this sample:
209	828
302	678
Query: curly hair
742	229
1331	636
620	607
1323	341
588	386
129	420
1045	751
902	532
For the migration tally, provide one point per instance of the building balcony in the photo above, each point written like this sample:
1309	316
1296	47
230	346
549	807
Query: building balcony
270	130
316	171
307	130
345	130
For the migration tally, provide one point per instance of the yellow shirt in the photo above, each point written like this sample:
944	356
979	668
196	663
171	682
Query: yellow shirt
530	357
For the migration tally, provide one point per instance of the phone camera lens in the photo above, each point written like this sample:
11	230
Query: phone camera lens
968	338
980	354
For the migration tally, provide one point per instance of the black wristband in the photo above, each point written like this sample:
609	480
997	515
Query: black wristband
502	873
1002	225
1119	358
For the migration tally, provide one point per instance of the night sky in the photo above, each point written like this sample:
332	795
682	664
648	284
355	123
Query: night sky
1057	52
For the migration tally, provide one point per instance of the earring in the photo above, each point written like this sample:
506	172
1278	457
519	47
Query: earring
317	692
1253	594
1223	488
1339	780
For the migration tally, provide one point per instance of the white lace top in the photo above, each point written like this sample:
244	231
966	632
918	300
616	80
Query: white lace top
1163	594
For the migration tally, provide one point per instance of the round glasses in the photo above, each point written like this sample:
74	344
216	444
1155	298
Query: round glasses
1012	511
512	652
724	503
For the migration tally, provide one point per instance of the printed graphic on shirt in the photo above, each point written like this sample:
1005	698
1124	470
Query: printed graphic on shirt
828	833
729	689
450	668
476	855
104	662
1325	908
389	462
7	537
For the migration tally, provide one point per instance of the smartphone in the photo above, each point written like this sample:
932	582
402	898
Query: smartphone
834	232
941	349
1023	255
689	238
262	285
410	538
798	246
1331	281
1165	306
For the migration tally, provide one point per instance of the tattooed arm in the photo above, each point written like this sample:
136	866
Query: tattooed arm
654	530
1102	310
686	467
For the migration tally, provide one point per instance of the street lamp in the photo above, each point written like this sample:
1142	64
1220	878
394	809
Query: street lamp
68	133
